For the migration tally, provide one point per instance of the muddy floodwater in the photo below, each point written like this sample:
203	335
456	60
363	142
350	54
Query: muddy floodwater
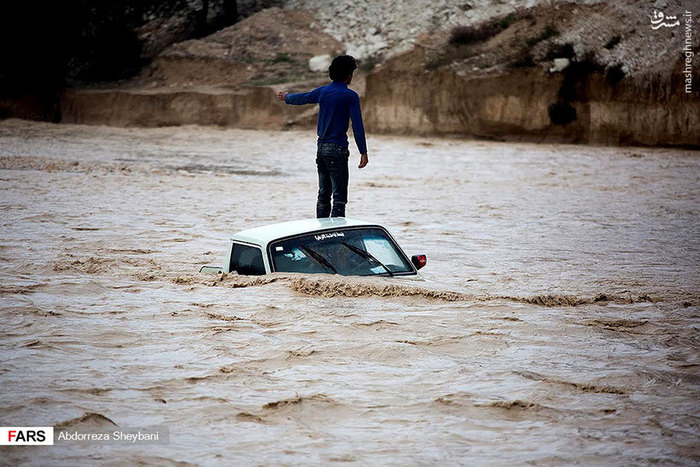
557	321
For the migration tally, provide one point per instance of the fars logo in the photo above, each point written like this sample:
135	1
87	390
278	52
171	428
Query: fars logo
26	435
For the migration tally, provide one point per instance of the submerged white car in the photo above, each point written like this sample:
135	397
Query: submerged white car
336	245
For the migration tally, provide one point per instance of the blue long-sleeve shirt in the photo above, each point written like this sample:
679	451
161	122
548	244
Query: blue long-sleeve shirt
337	106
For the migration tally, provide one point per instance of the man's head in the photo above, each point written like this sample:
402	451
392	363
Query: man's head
342	68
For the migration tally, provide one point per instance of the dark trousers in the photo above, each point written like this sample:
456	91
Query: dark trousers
332	164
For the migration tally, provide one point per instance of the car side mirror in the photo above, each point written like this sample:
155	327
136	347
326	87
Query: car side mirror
419	261
211	270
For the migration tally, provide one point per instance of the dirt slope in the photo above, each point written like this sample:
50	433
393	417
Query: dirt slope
271	46
588	71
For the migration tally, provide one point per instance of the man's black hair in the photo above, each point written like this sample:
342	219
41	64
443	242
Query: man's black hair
341	67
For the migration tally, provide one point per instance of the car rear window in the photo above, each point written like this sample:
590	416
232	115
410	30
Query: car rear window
247	260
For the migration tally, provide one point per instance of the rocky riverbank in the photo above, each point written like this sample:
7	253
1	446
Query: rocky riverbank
584	72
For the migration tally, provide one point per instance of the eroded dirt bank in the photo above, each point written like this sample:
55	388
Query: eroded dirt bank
514	106
405	97
593	73
248	107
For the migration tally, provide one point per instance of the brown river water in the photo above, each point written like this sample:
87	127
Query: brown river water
557	321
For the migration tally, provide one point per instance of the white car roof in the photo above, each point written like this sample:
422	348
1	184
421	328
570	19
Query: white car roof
265	234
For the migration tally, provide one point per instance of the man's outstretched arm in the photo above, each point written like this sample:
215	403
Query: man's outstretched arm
300	98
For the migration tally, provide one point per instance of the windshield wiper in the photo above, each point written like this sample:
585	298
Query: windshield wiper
366	255
318	257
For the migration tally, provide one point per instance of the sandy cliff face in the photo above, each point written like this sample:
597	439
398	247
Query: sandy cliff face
405	97
226	78
576	73
251	107
586	72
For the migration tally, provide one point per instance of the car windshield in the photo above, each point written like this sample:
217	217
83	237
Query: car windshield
350	252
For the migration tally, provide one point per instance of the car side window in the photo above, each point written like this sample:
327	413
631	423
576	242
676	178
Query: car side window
247	260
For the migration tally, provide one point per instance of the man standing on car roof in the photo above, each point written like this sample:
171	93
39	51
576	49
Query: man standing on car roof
337	106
